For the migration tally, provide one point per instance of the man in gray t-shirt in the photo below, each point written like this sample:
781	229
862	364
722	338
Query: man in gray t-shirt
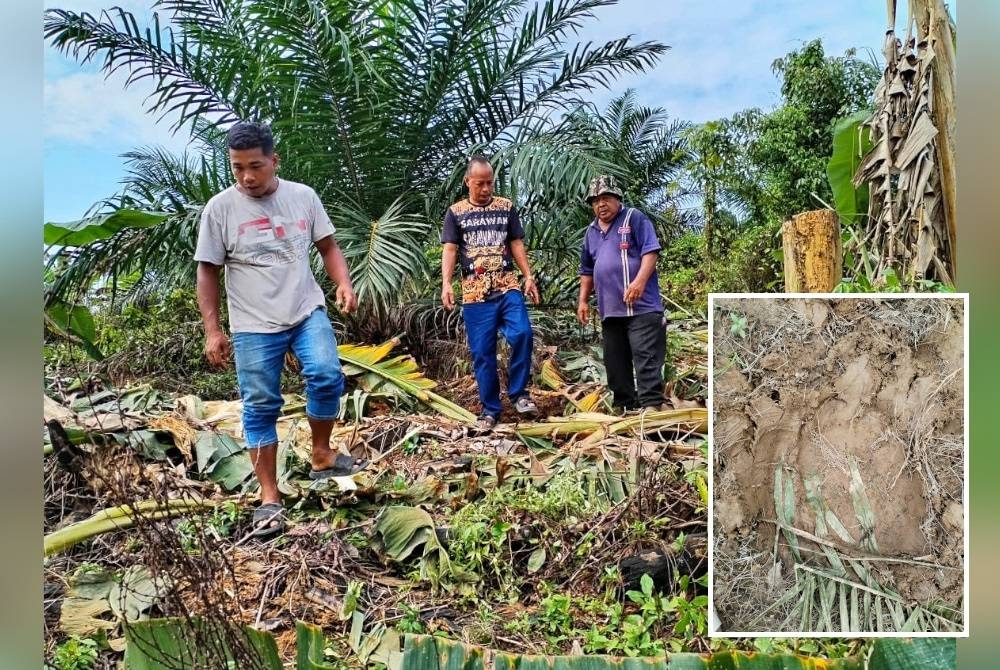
261	229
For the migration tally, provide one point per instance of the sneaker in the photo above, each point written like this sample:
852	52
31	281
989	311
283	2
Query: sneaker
525	405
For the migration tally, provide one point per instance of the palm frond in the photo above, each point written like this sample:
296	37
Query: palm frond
384	254
154	53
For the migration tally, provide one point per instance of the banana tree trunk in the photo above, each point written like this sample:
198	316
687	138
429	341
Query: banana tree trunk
933	21
814	257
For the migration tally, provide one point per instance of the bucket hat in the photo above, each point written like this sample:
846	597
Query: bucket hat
602	185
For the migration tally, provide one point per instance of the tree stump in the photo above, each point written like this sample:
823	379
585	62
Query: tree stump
814	255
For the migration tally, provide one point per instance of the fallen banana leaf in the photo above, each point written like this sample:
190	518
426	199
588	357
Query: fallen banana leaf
924	653
599	426
157	644
425	652
166	644
117	518
402	372
551	377
401	531
309	644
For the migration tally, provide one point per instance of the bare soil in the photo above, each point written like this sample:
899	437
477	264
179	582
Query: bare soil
814	388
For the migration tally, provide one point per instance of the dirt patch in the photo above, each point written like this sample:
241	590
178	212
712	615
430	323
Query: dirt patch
839	464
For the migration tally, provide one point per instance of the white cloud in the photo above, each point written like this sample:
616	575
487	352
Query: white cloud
83	107
721	52
87	109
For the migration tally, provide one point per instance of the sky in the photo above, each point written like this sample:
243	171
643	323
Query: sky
719	63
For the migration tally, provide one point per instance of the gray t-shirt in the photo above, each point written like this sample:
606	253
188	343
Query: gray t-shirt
264	245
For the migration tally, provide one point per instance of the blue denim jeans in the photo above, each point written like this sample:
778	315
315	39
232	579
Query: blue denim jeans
508	315
260	358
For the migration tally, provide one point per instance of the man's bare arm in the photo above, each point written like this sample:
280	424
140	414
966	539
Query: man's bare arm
337	270
217	346
638	285
520	254
449	259
582	304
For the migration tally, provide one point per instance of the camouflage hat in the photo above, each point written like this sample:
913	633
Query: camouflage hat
605	184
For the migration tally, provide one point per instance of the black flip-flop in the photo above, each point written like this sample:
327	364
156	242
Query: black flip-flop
268	519
343	466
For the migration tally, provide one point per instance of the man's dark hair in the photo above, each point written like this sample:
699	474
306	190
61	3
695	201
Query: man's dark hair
477	158
250	135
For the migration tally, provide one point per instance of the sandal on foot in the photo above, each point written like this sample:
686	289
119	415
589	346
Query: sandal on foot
484	424
268	519
526	406
343	466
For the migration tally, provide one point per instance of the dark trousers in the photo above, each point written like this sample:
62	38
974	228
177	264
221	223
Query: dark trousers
639	341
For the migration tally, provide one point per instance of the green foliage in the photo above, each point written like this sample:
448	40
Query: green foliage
86	231
76	653
795	141
410	621
738	325
160	340
647	150
722	174
220	521
890	283
163	644
647	625
752	263
681	268
488	533
73	323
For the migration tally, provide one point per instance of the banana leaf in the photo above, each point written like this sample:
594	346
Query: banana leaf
851	141
424	652
117	518
83	232
155	644
74	323
924	653
599	426
167	644
309	644
401	372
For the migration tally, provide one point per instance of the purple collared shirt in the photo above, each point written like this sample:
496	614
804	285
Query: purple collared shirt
613	259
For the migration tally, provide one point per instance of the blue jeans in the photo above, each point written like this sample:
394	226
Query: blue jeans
260	358
508	315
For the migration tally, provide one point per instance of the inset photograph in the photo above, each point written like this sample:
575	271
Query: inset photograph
839	464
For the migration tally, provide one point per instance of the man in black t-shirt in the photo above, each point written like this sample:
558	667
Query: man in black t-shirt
483	236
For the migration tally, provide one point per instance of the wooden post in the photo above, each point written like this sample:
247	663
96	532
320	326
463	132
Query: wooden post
814	255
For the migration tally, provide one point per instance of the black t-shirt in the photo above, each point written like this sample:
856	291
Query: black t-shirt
483	234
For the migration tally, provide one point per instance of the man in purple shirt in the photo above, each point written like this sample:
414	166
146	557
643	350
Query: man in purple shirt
618	262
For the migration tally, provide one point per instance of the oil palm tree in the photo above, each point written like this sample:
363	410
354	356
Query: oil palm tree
375	103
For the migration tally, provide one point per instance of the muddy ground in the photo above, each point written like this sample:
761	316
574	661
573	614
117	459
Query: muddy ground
825	392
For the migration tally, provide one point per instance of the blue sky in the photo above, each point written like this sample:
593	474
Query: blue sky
719	63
